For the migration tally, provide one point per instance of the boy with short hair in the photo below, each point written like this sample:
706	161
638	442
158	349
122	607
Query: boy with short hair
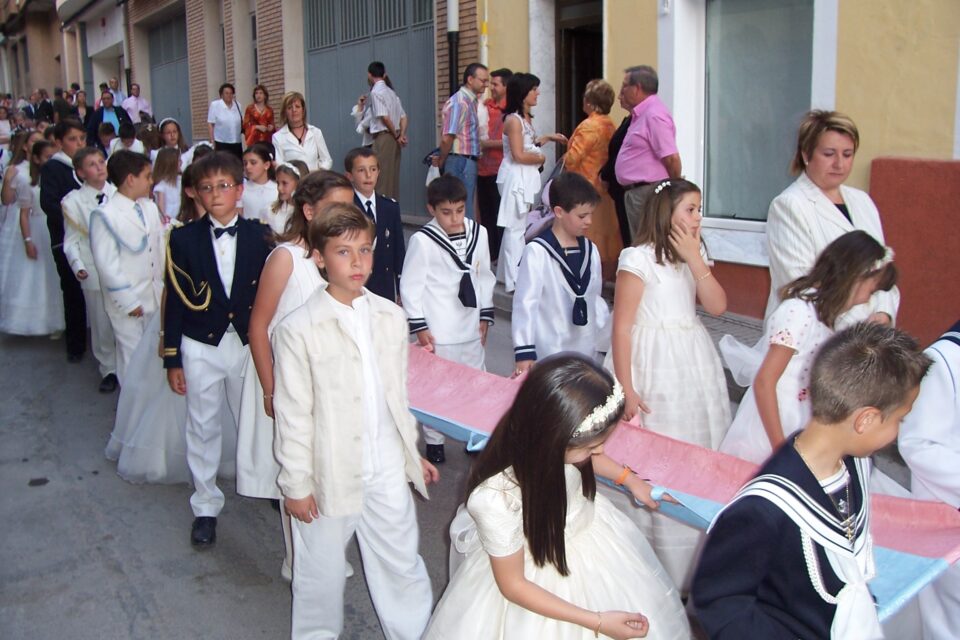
447	286
106	134
126	140
91	168
363	170
213	267
57	179
779	555
557	305
346	440
126	243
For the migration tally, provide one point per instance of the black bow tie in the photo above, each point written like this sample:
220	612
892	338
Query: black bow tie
100	198
217	232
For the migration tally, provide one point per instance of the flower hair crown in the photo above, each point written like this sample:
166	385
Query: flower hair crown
660	187
885	260
601	414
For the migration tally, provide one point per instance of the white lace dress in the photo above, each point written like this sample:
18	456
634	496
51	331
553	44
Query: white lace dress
257	468
794	324
611	568
30	300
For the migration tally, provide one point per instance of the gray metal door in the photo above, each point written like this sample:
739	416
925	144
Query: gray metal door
342	38
169	73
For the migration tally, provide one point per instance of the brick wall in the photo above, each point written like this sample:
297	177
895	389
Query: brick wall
270	50
469	49
196	61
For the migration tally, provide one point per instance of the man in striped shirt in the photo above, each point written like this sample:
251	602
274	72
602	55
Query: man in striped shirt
460	134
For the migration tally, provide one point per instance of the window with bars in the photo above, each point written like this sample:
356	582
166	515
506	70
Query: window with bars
389	15
422	11
358	19
320	23
354	20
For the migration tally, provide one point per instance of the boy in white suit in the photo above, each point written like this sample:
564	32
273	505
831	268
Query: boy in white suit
125	239
346	440
447	285
929	441
91	168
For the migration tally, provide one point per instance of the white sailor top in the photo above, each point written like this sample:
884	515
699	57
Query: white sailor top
557	305
447	284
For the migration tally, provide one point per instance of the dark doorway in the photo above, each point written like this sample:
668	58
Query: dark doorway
579	57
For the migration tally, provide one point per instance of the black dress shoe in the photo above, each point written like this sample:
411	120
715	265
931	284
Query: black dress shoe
74	358
108	384
435	454
204	531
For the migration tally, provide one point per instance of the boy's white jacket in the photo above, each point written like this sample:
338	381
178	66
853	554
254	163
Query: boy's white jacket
77	207
318	404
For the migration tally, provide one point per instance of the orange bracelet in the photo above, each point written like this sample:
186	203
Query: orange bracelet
623	476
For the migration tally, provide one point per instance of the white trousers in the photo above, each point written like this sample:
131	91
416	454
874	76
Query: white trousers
386	529
127	332
103	343
212	373
511	250
471	354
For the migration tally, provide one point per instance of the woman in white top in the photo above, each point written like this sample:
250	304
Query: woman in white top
518	178
224	122
818	208
297	140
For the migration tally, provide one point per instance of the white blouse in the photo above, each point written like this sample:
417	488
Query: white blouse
226	121
312	151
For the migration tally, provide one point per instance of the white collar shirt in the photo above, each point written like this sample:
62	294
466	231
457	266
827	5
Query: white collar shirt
225	252
382	447
312	150
384	101
226	121
368	203
133	105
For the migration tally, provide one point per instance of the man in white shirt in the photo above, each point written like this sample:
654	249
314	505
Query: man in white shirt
388	128
118	95
135	105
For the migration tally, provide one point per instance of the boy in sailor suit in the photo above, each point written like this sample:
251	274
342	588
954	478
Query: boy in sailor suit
447	285
77	207
363	169
557	305
930	443
791	554
213	267
125	239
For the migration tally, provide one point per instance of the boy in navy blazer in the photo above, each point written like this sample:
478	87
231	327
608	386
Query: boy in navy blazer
363	169
213	267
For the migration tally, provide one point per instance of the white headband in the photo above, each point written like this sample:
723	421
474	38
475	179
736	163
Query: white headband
287	165
599	416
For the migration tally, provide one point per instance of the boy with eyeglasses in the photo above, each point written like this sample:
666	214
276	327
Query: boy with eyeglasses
213	268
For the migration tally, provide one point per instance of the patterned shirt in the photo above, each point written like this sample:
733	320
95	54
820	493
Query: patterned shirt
384	101
460	120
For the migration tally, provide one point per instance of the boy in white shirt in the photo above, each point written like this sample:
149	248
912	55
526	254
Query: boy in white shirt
447	286
557	305
91	168
126	140
125	239
346	440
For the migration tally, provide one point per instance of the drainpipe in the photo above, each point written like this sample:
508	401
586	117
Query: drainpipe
483	35
453	42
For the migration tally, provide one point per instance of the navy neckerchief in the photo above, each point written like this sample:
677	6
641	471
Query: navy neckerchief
577	281
467	294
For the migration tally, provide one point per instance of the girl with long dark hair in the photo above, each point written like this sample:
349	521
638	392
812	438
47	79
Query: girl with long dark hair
545	556
846	274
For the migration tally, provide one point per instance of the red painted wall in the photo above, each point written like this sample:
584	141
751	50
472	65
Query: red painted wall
919	203
747	287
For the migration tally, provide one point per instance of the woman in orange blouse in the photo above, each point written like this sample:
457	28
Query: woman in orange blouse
586	154
258	119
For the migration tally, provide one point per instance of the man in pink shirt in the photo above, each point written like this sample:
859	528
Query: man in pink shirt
649	152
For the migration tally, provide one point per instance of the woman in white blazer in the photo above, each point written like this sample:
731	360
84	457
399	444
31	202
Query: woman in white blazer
297	140
818	208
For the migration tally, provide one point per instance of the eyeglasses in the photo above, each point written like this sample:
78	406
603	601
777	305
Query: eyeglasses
207	189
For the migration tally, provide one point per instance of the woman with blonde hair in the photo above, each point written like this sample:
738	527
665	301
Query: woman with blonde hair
818	208
297	140
586	155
